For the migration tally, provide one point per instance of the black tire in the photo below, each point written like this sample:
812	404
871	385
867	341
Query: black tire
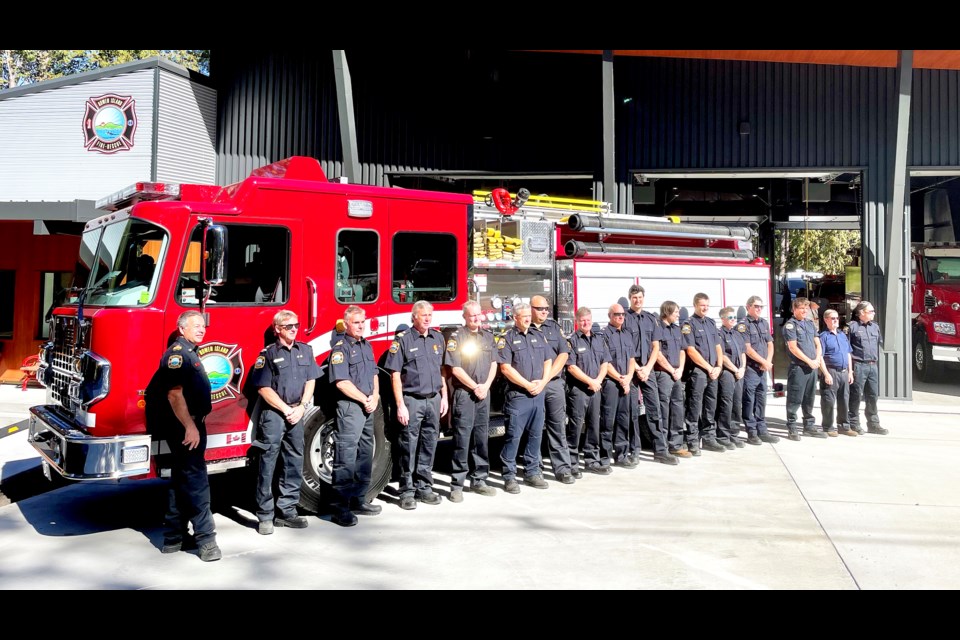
923	363
319	436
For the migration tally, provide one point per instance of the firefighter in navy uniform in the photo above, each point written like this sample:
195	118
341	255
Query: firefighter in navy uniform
177	403
649	335
865	341
415	361
470	355
616	403
731	378
525	363
701	340
759	351
803	344
285	374
669	371
586	370
353	369
554	396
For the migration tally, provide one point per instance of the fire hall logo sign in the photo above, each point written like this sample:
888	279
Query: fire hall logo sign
224	369
109	123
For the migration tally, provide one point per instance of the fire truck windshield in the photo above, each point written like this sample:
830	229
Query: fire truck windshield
119	264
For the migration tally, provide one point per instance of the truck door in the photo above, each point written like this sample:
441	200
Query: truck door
263	264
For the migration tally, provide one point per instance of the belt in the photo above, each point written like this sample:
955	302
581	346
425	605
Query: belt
866	361
420	396
841	370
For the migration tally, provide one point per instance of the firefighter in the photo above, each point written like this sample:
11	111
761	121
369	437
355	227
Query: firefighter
419	386
586	370
800	334
670	386
554	396
284	374
759	351
525	363
177	403
836	370
648	328
865	341
615	406
701	340
731	378
470	357
353	369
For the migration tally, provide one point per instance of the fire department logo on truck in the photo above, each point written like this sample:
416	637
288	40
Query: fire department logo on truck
224	369
109	123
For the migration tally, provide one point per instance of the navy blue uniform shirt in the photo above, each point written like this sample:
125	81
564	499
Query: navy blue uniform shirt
525	352
352	359
180	366
671	343
588	353
650	331
835	347
701	333
286	371
471	351
757	336
803	332
553	337
418	359
733	342
865	340
622	345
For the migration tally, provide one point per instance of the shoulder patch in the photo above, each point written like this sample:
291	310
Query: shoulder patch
177	347
846	330
742	328
260	362
395	346
451	345
436	349
336	357
686	329
789	325
174	362
501	343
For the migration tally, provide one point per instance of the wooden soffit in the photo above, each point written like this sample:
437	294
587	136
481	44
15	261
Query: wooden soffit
922	59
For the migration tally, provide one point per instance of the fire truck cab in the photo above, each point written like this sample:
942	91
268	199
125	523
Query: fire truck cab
935	280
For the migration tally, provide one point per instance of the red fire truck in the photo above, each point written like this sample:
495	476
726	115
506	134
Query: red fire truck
935	306
287	238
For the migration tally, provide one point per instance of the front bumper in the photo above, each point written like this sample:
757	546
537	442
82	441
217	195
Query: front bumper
75	455
945	354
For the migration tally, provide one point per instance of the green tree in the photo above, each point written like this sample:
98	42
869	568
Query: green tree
825	251
26	66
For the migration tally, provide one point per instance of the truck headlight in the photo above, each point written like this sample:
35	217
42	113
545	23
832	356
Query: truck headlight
946	328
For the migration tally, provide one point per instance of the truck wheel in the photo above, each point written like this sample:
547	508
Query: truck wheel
923	362
320	437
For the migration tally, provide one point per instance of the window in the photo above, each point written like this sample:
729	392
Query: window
358	255
7	279
258	268
424	267
53	289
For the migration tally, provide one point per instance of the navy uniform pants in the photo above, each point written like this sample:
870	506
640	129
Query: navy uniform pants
353	455
801	389
755	402
727	387
523	415
583	407
278	438
471	428
555	425
615	416
866	386
670	393
835	395
656	429
418	444
189	493
700	407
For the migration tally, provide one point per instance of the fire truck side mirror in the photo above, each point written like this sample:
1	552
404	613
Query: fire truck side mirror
215	254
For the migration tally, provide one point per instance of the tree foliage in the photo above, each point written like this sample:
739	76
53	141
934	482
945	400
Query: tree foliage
825	251
19	67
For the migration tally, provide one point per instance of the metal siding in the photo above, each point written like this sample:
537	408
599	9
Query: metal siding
934	116
186	131
43	157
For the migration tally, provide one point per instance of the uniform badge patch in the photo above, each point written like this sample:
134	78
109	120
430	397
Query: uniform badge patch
259	363
685	329
394	347
174	362
451	345
177	347
789	325
436	349
501	343
336	357
742	328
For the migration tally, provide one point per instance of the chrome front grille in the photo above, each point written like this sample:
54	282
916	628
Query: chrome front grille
65	356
